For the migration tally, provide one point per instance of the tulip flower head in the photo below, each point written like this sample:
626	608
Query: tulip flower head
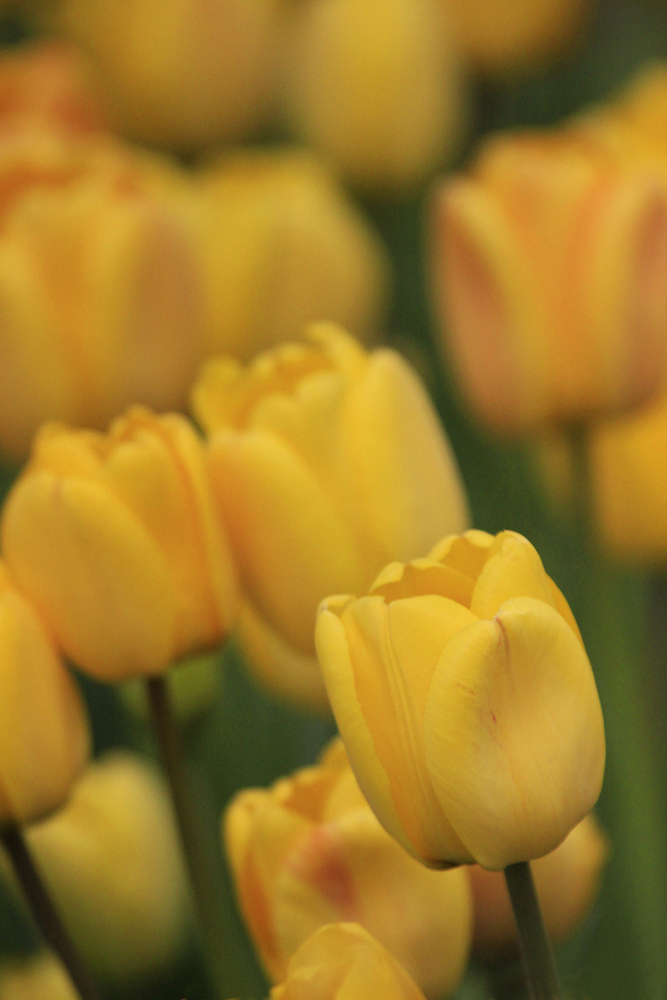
44	736
326	461
467	703
309	851
114	538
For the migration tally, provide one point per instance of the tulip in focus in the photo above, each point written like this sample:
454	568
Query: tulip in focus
44	736
41	977
326	462
377	86
283	246
309	851
112	863
343	962
114	538
466	701
550	275
567	882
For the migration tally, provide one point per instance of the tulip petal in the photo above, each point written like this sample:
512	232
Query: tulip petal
514	737
513	569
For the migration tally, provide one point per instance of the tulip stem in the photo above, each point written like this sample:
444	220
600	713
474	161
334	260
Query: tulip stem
44	912
536	951
211	922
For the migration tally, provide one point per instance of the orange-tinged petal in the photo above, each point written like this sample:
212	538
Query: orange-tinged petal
514	737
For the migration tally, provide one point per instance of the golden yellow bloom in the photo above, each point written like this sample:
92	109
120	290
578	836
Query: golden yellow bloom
466	702
112	862
550	273
181	73
44	737
503	37
37	978
567	882
283	246
343	962
377	86
309	851
115	539
326	462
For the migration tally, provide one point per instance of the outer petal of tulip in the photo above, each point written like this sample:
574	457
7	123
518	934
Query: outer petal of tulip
44	736
514	737
377	85
567	882
38	978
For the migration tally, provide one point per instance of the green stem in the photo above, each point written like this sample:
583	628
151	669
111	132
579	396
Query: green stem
211	919
536	948
44	912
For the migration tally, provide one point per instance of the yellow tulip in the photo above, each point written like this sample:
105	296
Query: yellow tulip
466	702
343	962
376	85
115	539
309	852
41	977
567	882
326	462
550	274
112	862
283	246
44	737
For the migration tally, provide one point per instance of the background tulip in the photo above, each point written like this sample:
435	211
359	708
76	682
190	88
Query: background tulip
39	978
309	851
44	737
343	962
114	537
567	882
112	863
466	702
550	275
325	462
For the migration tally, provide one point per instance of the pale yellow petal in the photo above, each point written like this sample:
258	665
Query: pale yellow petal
513	569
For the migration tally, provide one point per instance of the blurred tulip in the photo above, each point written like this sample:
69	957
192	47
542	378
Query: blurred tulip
550	273
41	977
112	862
44	737
115	539
377	86
466	702
180	73
309	851
567	882
101	292
194	687
343	962
282	247
326	462
506	37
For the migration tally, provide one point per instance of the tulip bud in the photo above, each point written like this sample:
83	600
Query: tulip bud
111	860
466	702
567	882
181	73
551	276
377	86
41	977
325	462
44	737
506	37
283	246
343	962
115	540
309	851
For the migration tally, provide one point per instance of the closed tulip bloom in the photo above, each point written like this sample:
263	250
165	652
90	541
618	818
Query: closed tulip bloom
377	86
343	962
283	246
326	461
567	882
309	851
112	862
44	736
115	539
550	275
466	701
41	977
